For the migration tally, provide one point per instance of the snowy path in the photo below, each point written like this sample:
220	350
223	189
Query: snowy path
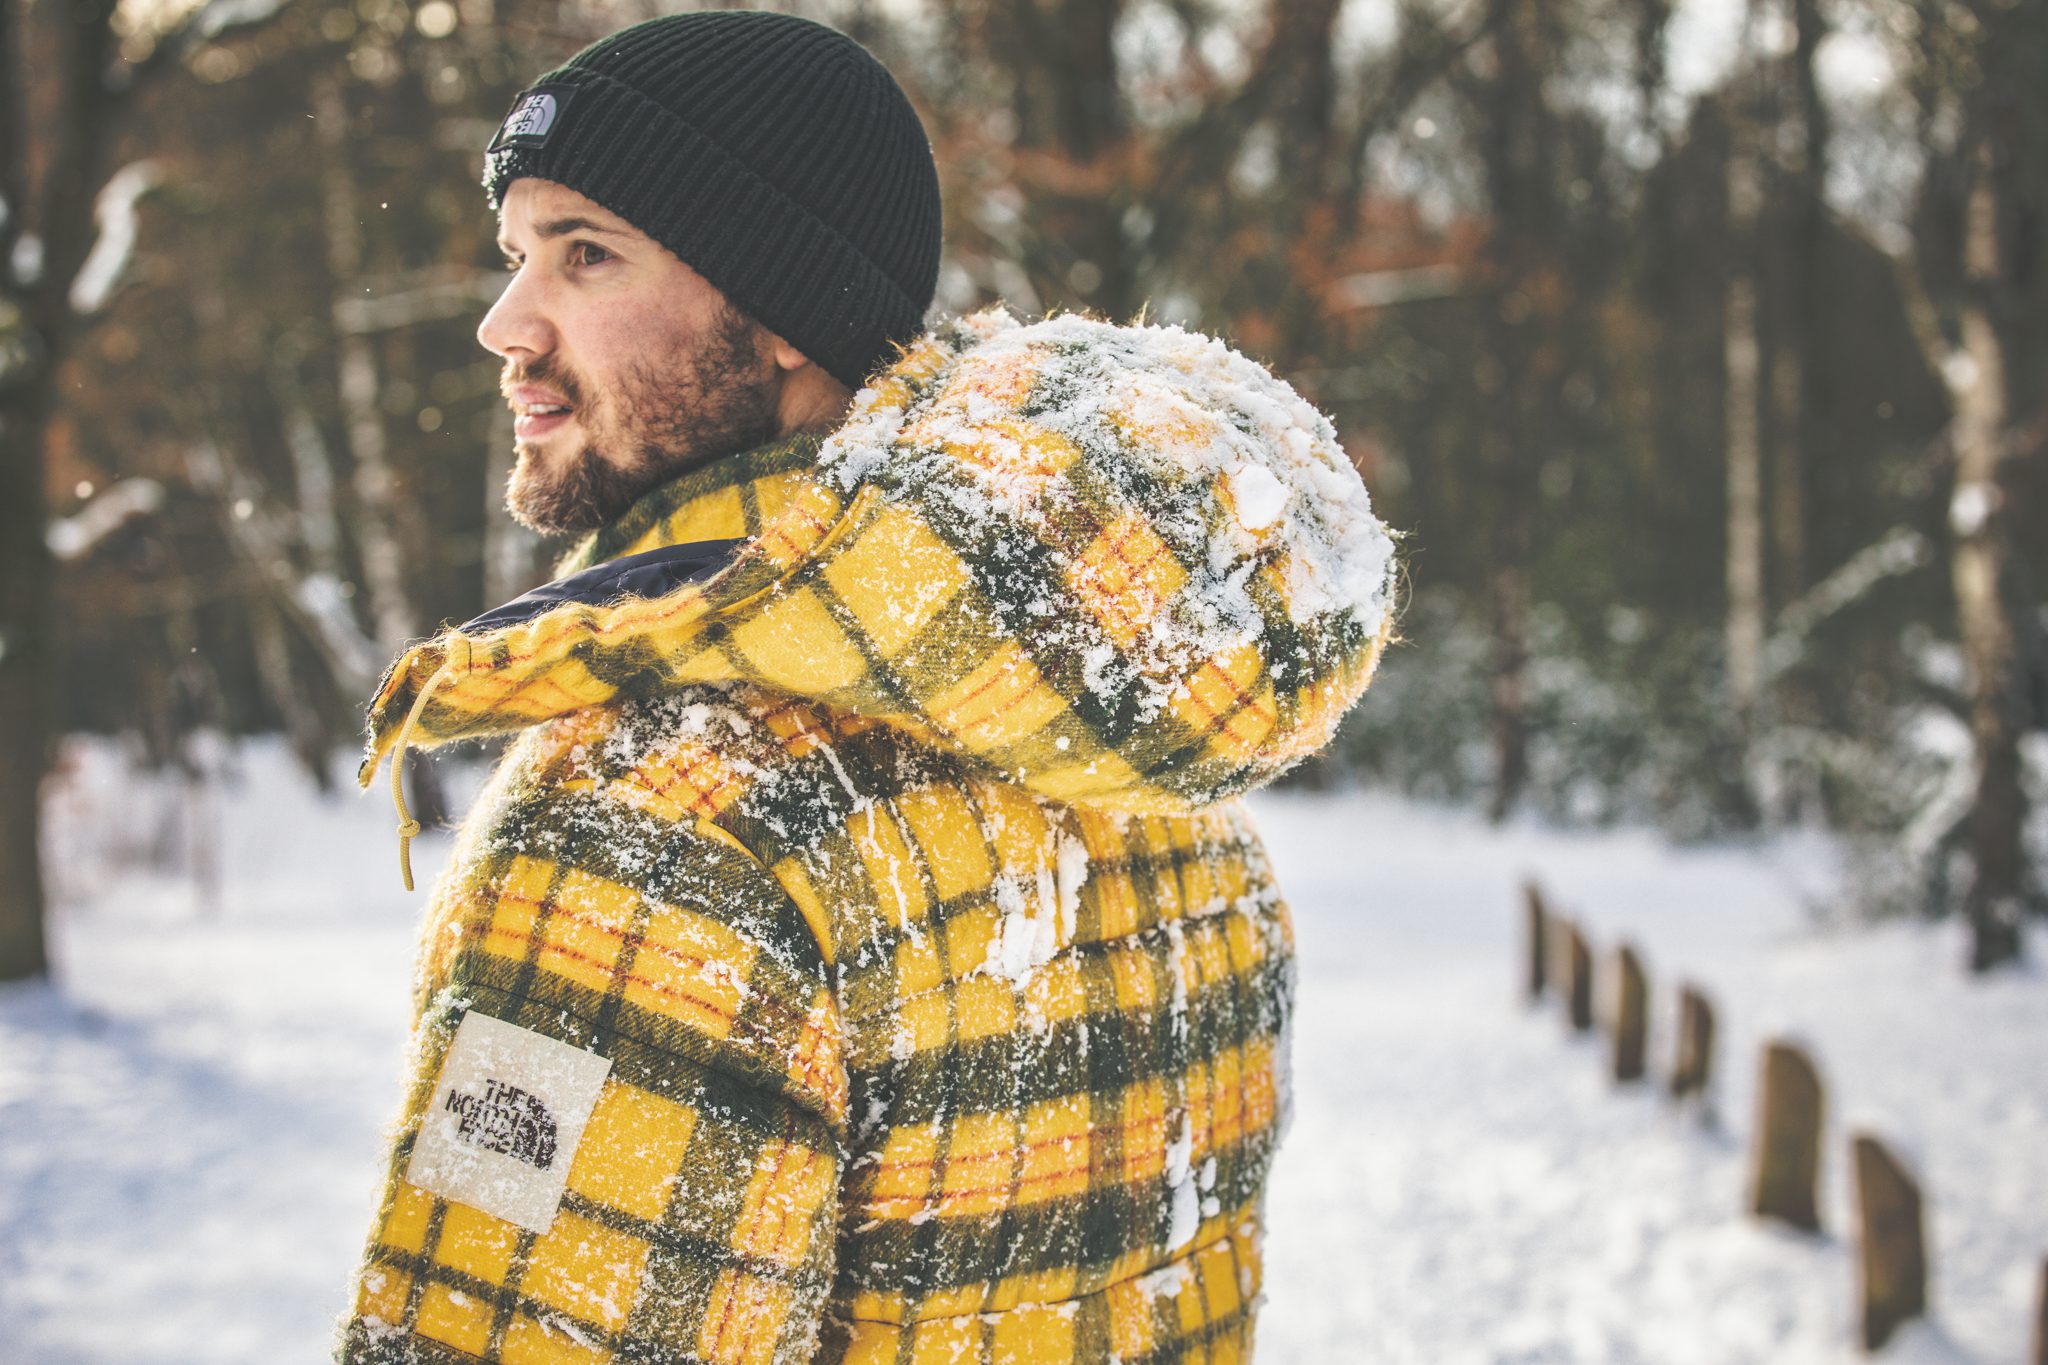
188	1123
1462	1185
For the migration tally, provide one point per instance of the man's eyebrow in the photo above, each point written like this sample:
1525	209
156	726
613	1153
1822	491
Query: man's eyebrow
562	227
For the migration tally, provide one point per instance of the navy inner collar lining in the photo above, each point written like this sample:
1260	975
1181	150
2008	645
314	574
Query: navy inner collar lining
651	573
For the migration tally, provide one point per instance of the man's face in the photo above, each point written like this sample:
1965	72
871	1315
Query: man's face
624	366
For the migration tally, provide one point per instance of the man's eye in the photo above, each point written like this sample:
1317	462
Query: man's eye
588	253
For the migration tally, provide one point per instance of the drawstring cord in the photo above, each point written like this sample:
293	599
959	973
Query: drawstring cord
407	826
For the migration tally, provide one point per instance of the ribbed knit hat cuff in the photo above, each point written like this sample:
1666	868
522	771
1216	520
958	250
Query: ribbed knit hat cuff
793	273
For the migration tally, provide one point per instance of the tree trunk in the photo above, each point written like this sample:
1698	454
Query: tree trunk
1789	427
36	327
25	565
27	572
1509	687
387	530
27	671
1744	450
302	721
1071	138
1979	518
1805	404
1514	151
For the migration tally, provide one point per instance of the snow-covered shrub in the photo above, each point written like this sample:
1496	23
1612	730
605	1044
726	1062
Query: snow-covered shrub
1902	796
1626	728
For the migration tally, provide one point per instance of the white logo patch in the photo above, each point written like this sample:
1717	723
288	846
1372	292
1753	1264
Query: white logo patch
507	1112
534	116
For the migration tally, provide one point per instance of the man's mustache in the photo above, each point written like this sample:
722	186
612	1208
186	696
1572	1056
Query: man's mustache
546	373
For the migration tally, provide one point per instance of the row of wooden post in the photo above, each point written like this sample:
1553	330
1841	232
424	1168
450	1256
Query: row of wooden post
1558	950
1790	1118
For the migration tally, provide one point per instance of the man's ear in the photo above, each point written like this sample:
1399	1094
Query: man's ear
786	355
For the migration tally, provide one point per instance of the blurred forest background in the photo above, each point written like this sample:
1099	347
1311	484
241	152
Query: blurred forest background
1701	347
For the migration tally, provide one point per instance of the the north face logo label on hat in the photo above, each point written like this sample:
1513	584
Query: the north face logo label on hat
534	116
502	1125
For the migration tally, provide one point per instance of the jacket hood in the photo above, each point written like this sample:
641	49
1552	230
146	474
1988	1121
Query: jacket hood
1122	566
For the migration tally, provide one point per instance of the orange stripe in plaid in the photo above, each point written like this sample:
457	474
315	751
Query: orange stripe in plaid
745	1316
1008	667
779	545
995	677
811	1062
1144	1149
480	693
1230	1098
1149	1299
959	1202
545	637
705	799
1216	700
553	695
1126	576
778	1214
797	725
516	941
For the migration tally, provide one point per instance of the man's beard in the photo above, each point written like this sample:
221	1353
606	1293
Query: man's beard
661	423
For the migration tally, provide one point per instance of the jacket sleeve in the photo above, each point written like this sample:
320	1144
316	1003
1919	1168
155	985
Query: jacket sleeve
622	1137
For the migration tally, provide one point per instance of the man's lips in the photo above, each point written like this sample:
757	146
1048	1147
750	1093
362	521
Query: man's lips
529	427
537	411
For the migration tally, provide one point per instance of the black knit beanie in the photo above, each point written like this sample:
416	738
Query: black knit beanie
773	155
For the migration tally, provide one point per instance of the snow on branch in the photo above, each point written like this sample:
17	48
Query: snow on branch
177	37
74	537
115	247
216	17
323	603
1899	551
432	295
1386	288
316	602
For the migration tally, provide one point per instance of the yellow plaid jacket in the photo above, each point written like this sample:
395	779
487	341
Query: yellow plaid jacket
891	874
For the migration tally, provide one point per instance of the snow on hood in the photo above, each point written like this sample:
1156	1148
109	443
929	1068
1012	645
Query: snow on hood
1120	565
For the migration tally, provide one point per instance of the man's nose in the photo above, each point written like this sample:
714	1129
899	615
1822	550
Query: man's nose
516	327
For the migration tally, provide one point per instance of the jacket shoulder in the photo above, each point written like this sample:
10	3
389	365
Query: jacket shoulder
595	864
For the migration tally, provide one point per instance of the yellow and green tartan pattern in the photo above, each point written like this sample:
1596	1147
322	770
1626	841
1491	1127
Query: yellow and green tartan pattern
1027	644
943	986
836	1127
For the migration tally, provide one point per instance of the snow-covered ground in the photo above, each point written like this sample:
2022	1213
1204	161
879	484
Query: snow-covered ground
1463	1185
189	1117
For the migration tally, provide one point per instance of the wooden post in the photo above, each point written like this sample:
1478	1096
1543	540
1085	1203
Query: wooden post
2040	1355
1789	1116
1693	1070
1894	1254
1578	978
1631	1016
1538	922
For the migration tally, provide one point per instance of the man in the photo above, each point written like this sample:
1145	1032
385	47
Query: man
857	955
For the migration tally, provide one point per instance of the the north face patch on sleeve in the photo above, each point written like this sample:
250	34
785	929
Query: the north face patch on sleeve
502	1125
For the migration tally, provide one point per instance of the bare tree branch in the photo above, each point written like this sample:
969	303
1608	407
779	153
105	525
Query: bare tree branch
208	23
432	295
